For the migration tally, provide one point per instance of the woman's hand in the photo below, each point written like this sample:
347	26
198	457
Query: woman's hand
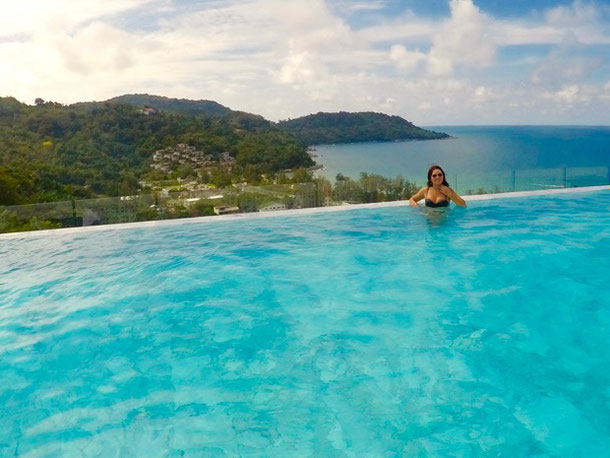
452	195
419	195
446	190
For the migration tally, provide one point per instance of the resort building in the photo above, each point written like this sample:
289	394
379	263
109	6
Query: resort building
226	210
273	207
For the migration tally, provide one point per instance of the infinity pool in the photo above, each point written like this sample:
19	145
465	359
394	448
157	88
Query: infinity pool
372	332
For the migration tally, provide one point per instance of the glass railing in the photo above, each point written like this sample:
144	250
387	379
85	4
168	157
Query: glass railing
273	197
530	179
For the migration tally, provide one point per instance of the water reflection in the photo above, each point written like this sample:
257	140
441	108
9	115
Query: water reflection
439	225
436	217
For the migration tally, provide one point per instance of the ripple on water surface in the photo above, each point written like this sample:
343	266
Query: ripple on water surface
369	332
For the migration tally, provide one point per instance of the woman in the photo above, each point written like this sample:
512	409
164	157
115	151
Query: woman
437	193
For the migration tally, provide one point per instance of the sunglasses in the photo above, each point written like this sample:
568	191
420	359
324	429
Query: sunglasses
437	175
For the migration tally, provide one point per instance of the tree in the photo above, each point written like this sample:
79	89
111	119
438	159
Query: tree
220	178
8	190
202	208
247	202
309	195
372	186
347	190
128	185
301	175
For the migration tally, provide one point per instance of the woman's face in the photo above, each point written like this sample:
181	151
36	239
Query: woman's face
437	177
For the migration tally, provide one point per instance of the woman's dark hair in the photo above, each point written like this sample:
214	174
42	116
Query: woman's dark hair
432	169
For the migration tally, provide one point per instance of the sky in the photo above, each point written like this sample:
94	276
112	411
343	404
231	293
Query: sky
433	62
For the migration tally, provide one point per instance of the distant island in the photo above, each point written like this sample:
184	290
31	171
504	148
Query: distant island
343	127
140	143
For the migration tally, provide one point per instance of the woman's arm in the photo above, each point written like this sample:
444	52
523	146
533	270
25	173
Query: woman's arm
417	197
451	194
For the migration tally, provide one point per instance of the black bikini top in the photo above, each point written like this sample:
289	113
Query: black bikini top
440	203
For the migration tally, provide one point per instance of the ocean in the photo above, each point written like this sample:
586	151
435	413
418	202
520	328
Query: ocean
520	157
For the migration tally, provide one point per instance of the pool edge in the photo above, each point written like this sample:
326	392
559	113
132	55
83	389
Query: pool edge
303	211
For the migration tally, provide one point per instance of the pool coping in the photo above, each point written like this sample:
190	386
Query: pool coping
302	211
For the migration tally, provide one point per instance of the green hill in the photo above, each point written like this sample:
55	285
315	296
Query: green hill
343	127
52	152
184	107
178	106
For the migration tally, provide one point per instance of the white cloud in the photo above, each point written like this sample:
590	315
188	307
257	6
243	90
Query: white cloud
81	53
579	21
574	15
566	63
405	59
582	22
30	16
567	94
363	6
586	22
483	94
298	68
285	59
462	40
604	94
574	94
407	28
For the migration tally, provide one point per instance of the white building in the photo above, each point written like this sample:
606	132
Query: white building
225	210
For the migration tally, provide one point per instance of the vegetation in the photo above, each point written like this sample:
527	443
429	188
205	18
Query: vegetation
10	222
51	152
186	107
178	106
325	128
372	188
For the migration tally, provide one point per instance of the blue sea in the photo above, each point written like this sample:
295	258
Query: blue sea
483	156
389	332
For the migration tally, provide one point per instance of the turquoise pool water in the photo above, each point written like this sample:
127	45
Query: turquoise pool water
372	332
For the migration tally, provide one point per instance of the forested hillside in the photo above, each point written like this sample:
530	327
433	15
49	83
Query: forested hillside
54	152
